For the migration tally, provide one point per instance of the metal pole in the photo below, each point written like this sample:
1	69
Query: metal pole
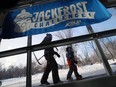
103	57
28	69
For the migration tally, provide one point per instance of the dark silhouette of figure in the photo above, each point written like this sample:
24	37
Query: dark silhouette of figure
0	83
51	63
72	64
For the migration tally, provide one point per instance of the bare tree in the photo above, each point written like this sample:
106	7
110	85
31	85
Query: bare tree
81	60
112	44
35	67
86	53
63	35
92	45
108	47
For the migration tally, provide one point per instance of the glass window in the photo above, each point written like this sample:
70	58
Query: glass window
109	47
108	24
13	71
8	44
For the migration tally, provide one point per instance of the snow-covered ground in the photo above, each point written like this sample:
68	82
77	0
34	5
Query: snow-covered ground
85	71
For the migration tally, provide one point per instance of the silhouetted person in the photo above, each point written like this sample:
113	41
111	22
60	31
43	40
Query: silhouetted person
72	64
51	63
0	83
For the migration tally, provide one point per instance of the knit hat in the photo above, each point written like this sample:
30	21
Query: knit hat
47	38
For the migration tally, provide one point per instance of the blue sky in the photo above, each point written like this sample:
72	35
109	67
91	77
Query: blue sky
8	44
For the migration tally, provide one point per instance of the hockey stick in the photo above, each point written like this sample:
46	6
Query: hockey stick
56	48
37	59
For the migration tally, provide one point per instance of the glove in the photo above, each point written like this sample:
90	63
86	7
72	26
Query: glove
75	62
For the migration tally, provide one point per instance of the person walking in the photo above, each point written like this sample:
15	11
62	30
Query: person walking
72	64
51	63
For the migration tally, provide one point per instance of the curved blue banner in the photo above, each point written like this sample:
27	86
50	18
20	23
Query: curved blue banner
53	16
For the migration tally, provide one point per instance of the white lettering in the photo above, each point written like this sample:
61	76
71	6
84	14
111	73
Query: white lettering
35	15
84	6
41	16
54	16
47	14
80	10
54	13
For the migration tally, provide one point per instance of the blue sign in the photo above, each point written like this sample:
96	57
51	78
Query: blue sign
53	16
